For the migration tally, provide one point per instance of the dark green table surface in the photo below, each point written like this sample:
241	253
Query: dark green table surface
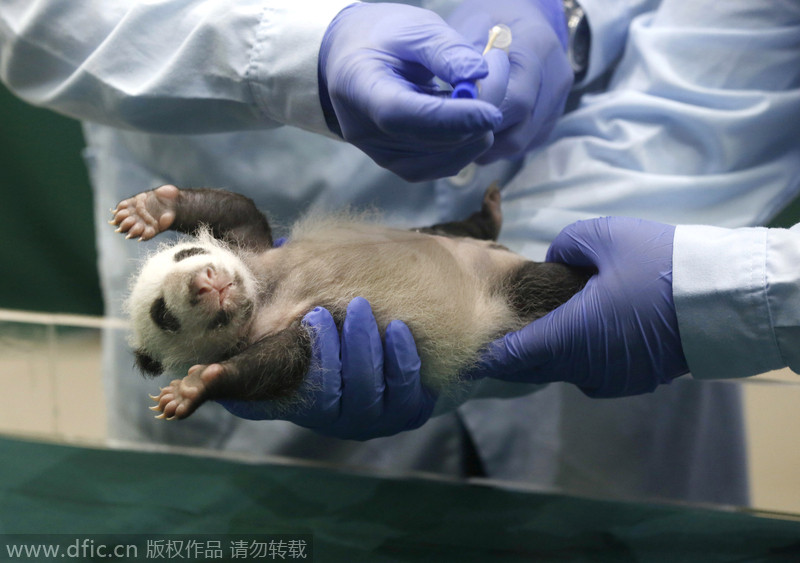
55	489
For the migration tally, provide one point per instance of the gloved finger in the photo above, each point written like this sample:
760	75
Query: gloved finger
540	95
538	86
404	116
524	82
522	137
321	392
362	364
408	404
322	389
428	119
570	247
531	354
420	166
493	88
439	48
514	135
500	361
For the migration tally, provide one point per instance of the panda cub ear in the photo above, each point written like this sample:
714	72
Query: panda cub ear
147	365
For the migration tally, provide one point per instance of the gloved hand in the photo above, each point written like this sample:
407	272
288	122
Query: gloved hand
357	388
619	335
376	69
541	76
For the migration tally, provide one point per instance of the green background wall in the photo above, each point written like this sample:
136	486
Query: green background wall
47	252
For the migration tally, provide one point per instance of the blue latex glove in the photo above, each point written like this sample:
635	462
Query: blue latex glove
358	387
376	68
541	76
619	335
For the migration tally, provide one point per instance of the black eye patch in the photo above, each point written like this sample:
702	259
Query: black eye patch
162	316
187	252
149	366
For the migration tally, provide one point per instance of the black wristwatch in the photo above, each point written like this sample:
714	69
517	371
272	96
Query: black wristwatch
579	38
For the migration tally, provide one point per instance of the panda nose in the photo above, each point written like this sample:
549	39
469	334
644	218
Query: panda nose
210	281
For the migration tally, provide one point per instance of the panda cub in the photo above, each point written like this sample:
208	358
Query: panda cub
224	307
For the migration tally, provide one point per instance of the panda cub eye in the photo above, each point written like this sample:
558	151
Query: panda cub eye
187	252
162	316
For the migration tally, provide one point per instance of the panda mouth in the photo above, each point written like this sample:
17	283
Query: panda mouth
219	294
221	304
212	287
224	294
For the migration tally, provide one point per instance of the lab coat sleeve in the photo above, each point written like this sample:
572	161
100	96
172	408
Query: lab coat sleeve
185	66
737	296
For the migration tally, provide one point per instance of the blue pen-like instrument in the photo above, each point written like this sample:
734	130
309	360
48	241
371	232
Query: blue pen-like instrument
499	38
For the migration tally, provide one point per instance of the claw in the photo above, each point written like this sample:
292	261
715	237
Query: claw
154	398
155	408
161	416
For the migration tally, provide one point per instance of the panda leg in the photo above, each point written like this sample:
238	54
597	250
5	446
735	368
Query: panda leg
484	224
231	217
533	289
270	369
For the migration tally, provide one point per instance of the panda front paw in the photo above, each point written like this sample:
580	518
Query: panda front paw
146	214
182	397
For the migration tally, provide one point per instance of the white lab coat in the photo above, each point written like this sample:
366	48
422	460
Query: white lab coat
190	91
737	294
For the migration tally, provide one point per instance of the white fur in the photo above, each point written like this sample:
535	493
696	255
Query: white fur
441	288
162	276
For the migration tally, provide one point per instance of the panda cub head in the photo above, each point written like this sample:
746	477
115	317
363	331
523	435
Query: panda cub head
190	303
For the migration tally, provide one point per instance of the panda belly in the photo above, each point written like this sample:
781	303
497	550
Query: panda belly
444	289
